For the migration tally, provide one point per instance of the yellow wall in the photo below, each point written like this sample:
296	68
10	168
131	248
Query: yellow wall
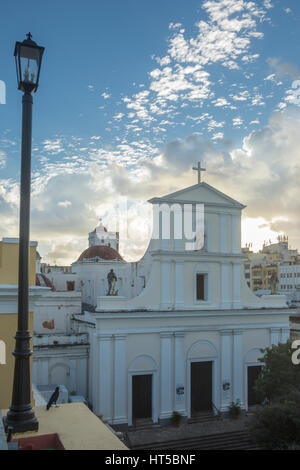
263	273
8	328
9	253
9	259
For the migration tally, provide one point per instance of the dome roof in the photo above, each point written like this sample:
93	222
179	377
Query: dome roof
42	280
106	253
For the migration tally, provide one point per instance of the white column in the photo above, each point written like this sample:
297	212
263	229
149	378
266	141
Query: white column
225	276
94	371
72	381
177	227
165	228
165	284
120	374
179	282
105	365
274	336
226	375
83	376
236	284
238	366
166	375
223	233
285	334
179	374
44	372
236	233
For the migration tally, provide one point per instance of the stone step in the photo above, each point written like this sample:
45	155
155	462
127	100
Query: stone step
205	416
143	424
234	440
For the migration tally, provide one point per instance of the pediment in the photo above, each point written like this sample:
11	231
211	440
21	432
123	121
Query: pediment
199	193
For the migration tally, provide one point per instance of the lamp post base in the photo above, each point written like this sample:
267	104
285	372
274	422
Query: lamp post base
20	421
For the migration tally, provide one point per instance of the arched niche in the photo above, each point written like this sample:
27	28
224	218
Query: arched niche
202	349
143	363
59	373
253	355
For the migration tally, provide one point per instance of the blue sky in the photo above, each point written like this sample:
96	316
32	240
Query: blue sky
133	92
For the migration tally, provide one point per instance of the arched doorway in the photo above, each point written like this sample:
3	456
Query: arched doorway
252	370
142	390
202	367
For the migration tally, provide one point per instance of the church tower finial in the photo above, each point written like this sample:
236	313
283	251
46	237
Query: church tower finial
199	169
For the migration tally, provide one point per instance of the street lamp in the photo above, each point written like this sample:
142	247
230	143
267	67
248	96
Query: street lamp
20	416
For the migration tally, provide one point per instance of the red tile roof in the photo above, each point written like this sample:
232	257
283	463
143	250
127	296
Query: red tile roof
42	280
103	252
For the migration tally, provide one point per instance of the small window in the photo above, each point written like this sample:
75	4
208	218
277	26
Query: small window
201	286
70	285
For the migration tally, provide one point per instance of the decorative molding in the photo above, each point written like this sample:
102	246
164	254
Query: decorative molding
9	297
16	241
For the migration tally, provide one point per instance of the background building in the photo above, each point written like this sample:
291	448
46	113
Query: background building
275	261
9	253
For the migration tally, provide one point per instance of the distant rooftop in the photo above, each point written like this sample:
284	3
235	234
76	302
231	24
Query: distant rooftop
16	240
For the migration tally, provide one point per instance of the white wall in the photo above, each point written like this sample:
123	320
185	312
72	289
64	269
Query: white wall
53	312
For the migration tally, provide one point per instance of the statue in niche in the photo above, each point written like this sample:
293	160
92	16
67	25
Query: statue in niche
112	279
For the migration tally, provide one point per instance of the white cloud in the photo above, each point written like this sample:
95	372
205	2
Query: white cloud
238	121
53	146
64	203
118	116
183	74
2	159
220	102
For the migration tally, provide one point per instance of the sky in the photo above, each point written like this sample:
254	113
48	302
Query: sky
132	94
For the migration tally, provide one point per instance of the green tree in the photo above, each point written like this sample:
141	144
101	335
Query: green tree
279	375
276	424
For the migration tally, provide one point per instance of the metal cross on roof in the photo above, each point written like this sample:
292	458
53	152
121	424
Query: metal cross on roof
199	169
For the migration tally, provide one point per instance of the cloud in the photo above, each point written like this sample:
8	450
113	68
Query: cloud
2	159
53	146
183	75
262	173
238	121
282	69
83	177
64	203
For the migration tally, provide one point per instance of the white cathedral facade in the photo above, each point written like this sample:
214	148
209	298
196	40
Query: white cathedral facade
190	340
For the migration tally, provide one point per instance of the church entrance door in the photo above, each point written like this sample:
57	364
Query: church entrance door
201	387
253	373
141	397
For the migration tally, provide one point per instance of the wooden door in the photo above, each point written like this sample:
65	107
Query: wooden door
253	373
201	386
141	396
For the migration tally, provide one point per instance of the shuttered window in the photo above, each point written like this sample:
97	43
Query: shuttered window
200	285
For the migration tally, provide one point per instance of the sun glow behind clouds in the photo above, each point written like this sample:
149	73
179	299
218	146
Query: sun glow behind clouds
256	231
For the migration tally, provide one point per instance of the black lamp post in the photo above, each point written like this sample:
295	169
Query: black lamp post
20	416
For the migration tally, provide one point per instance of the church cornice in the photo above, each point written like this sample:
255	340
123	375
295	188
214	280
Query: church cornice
162	200
200	314
201	255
